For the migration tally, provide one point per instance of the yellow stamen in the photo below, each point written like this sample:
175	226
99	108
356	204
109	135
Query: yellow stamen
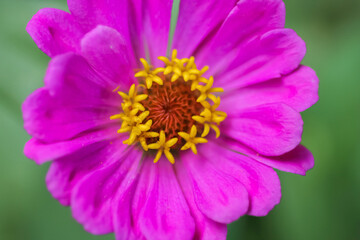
210	117
149	75
163	146
207	90
191	139
132	99
142	138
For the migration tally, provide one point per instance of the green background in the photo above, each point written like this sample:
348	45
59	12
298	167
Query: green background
323	205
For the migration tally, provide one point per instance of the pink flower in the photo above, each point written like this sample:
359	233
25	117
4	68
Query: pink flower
105	114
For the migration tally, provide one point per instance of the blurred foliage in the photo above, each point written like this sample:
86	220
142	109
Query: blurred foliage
322	205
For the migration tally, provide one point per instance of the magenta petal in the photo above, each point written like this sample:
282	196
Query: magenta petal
70	74
205	228
269	129
122	15
156	15
55	31
219	196
106	51
122	207
42	152
248	19
298	161
65	172
298	90
159	208
208	14
271	55
261	181
48	119
73	100
92	199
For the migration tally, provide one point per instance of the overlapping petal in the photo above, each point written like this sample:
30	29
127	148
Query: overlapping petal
106	51
249	19
198	19
270	55
55	31
66	171
219	196
260	181
298	90
270	129
41	151
73	100
92	199
298	161
159	208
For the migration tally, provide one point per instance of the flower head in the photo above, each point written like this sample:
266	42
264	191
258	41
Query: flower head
151	146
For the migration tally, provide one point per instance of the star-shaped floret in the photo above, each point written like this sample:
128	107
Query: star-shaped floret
163	146
132	99
149	75
133	124
207	90
191	139
210	117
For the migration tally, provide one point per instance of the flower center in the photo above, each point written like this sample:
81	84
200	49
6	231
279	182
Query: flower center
169	107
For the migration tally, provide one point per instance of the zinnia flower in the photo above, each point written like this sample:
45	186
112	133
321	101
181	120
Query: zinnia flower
156	147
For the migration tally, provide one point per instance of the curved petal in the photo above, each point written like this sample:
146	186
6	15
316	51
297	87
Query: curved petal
121	15
298	90
197	20
55	31
159	208
65	172
205	228
92	199
260	181
247	20
49	119
122	206
106	51
156	16
74	99
42	152
298	161
271	55
219	196
269	129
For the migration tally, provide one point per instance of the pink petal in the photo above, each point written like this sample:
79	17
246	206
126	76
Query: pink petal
198	19
298	161
269	129
122	206
156	15
55	31
121	15
205	228
42	152
261	181
106	51
247	20
49	119
65	172
219	196
92	199
159	208
271	55
74	99
298	90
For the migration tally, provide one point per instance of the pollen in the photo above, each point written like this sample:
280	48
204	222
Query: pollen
171	109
